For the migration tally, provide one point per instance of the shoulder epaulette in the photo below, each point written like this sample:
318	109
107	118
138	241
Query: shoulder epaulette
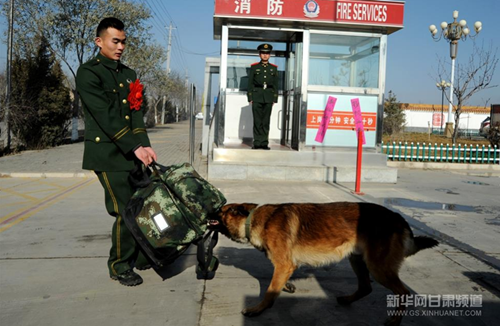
94	61
253	64
273	65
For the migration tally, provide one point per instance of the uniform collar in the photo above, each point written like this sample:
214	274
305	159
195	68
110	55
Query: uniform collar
264	64
112	64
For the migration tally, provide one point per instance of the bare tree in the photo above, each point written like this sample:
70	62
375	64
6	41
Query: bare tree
171	86
69	25
3	89
472	77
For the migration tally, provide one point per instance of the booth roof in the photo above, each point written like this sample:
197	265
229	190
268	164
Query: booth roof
375	16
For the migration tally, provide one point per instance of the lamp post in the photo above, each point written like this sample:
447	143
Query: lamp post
442	86
452	33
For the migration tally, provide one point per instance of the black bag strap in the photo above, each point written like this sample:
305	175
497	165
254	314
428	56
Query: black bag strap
140	176
207	263
155	165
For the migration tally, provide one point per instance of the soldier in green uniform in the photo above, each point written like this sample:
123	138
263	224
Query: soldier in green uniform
115	139
262	94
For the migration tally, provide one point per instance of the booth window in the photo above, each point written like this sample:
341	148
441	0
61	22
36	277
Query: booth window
241	55
345	61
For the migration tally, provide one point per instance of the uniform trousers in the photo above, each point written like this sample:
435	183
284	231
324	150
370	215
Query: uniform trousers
125	251
261	121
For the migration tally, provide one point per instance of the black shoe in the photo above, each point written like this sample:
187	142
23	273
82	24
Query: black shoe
128	278
256	147
265	147
143	268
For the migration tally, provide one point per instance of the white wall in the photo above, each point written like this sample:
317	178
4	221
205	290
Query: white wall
420	119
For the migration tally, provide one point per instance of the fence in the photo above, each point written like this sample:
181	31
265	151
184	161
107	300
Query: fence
446	154
462	133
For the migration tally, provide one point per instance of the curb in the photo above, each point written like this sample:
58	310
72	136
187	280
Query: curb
47	175
480	168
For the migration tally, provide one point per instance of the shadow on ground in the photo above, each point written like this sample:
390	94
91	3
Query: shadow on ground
490	281
308	306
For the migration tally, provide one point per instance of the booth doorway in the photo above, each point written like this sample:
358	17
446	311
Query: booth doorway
292	92
241	53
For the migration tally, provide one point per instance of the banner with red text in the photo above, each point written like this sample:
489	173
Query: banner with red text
342	123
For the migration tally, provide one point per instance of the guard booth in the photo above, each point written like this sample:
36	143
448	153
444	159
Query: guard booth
322	48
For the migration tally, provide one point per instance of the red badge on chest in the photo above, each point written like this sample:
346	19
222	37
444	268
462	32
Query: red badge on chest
135	95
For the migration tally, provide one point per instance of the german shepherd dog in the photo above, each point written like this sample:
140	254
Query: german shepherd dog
375	239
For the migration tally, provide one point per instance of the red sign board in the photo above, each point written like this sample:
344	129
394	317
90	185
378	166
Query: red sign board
341	120
437	119
383	13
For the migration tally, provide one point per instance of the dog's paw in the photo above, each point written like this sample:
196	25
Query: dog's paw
251	312
290	288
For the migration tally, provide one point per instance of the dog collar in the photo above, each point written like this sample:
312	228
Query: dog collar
247	224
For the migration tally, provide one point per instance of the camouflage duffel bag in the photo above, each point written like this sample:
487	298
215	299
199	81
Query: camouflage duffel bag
169	211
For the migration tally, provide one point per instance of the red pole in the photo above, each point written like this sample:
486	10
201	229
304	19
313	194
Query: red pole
358	163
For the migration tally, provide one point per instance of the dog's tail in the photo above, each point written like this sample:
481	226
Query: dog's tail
419	243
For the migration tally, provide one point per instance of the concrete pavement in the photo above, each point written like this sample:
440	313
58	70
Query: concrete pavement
170	141
55	235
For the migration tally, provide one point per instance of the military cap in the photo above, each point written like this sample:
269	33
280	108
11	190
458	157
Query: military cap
265	48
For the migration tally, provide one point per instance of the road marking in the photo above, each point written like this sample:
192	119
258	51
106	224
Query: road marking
16	203
53	184
15	193
16	217
42	190
34	201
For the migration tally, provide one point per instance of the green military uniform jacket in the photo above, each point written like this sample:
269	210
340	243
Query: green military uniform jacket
112	130
260	75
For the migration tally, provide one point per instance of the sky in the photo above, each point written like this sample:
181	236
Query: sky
413	56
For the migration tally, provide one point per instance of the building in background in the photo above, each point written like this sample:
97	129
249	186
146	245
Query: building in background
324	49
422	117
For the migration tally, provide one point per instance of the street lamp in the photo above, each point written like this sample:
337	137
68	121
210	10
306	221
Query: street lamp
442	86
452	33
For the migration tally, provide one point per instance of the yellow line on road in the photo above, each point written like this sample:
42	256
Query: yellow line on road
51	184
52	190
23	214
15	193
16	203
35	200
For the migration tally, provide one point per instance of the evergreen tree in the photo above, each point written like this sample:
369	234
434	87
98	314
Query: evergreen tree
41	106
394	116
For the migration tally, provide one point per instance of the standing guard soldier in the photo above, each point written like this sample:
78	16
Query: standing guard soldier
262	94
115	139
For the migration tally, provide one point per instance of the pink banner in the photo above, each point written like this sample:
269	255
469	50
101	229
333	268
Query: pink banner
358	118
320	136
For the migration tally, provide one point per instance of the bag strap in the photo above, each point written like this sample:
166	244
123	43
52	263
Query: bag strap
155	165
207	263
140	176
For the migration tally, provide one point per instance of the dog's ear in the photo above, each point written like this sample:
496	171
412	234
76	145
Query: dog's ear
239	210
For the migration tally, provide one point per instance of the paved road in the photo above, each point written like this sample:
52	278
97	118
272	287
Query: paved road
171	143
55	235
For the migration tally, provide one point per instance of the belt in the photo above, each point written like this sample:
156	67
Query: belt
261	86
